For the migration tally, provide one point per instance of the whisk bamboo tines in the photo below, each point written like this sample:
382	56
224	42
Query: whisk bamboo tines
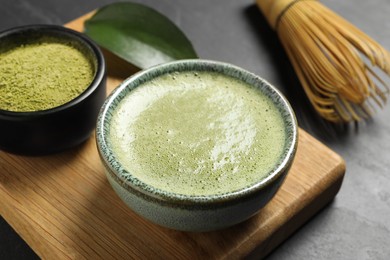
333	59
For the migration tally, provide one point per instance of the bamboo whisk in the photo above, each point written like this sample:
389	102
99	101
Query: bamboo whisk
327	53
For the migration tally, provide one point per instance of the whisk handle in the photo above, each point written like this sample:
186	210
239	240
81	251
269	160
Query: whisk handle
274	9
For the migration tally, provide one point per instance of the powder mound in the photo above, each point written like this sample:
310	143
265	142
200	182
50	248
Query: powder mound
43	75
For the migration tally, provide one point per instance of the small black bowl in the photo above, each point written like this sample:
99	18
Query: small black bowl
62	127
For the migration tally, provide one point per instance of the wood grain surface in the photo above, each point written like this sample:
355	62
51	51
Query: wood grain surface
63	206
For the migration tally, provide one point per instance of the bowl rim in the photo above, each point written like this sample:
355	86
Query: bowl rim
77	36
130	182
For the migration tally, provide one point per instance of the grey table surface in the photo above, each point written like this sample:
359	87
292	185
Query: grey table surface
356	225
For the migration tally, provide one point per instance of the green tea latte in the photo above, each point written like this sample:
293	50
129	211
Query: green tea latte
197	133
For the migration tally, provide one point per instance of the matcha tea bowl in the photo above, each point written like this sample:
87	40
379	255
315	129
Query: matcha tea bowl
196	145
52	86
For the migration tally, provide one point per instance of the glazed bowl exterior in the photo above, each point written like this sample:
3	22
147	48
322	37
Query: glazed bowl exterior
187	212
61	127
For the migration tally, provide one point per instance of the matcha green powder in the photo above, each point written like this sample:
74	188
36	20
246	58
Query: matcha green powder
42	75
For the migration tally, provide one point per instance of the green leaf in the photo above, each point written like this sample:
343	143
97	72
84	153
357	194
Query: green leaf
138	34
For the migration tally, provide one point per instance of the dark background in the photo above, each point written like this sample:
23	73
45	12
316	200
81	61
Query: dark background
357	224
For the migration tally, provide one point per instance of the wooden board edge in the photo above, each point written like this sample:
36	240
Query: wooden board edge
302	216
78	23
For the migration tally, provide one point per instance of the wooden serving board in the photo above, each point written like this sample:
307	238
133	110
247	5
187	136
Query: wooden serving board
63	206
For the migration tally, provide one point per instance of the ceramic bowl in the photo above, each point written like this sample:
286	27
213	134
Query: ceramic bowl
62	127
193	212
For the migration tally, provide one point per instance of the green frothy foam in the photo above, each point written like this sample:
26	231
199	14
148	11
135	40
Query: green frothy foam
197	133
